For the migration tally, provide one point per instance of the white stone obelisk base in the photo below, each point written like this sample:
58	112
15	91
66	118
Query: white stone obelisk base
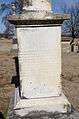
59	104
40	70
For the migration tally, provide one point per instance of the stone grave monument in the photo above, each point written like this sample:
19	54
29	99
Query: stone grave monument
39	54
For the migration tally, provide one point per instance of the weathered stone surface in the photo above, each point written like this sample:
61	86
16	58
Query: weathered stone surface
40	114
40	70
36	11
40	61
38	17
37	5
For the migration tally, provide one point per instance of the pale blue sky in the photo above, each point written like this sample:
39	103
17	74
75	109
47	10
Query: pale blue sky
56	6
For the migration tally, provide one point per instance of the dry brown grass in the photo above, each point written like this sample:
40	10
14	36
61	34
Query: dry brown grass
6	71
70	75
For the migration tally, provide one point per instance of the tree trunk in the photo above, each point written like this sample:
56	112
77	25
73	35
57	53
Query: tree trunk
73	37
78	50
72	45
72	48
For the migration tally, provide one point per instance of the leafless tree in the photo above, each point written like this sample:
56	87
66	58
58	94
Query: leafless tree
7	8
72	26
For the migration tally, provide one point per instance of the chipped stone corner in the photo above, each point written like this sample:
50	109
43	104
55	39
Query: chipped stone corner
59	104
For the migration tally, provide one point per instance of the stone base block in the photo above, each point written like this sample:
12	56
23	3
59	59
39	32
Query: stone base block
52	104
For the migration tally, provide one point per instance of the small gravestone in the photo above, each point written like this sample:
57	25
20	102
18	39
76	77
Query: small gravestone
39	54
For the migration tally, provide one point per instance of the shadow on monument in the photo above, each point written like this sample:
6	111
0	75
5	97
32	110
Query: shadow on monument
47	115
16	79
1	116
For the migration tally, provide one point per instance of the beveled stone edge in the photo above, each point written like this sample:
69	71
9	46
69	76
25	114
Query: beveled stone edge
50	18
61	105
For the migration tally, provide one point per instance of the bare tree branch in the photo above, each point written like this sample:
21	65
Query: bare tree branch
71	26
9	31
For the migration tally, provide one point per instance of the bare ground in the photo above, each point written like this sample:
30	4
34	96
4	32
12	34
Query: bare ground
70	75
6	71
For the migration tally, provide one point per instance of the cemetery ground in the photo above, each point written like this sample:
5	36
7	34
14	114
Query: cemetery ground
70	74
6	72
